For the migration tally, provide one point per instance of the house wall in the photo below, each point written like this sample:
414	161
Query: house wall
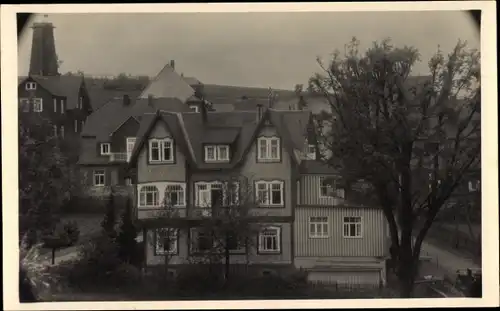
309	192
161	172
373	242
47	101
119	139
271	171
183	255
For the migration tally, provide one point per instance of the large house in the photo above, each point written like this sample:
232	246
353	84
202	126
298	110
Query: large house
304	212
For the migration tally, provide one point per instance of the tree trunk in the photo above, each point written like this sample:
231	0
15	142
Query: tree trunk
53	256
226	253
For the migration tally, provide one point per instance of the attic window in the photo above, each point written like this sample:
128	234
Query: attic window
328	188
311	152
105	149
268	149
161	150
217	153
30	86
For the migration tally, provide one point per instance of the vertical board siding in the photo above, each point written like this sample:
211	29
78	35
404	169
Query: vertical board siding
309	191
372	243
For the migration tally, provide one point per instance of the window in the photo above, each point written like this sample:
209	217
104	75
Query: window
130	146
76	126
269	240
99	178
161	150
352	227
37	105
268	148
175	195
55	132
201	240
209	194
105	149
149	196
216	153
318	227
25	104
30	86
166	241
62	106
194	108
269	193
328	188
55	104
474	185
62	131
80	103
311	152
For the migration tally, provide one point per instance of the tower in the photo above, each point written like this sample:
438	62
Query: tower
43	60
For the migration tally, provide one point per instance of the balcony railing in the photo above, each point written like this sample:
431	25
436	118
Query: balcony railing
148	213
118	157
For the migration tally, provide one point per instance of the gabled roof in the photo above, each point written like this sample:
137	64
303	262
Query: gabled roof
192	81
64	86
168	84
240	129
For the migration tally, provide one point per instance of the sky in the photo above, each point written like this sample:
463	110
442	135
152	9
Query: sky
267	49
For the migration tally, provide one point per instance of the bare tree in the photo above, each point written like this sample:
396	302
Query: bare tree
412	143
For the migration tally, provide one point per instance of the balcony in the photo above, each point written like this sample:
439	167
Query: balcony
118	157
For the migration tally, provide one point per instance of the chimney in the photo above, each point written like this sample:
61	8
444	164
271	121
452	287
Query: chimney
203	111
43	59
150	100
259	111
126	100
172	64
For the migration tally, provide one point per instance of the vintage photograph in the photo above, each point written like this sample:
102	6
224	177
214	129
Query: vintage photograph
257	155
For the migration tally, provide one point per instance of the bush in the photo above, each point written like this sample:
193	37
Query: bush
72	231
126	274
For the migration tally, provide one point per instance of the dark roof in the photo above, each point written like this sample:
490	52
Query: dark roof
316	167
64	86
238	127
100	96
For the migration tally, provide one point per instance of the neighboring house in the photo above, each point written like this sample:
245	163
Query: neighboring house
61	99
335	239
108	139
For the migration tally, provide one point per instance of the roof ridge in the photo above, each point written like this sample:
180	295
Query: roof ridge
154	80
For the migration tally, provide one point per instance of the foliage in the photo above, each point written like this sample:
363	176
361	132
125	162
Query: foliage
46	180
109	222
411	139
127	243
72	231
126	82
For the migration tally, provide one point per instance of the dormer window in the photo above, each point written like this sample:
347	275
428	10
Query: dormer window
30	86
217	153
105	149
194	108
268	149
161	150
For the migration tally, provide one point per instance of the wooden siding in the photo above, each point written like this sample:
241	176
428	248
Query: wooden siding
183	255
161	172
309	192
372	243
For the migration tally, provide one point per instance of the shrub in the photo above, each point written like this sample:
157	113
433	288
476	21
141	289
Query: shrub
126	274
72	231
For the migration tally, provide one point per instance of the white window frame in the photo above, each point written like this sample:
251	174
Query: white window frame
217	153
62	106
182	190
159	250
268	143
195	108
336	192
103	151
161	150
311	155
269	188
62	131
262	237
142	196
55	105
474	186
358	230
100	173
206	188
80	102
321	223
76	126
130	143
37	105
30	86
55	130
